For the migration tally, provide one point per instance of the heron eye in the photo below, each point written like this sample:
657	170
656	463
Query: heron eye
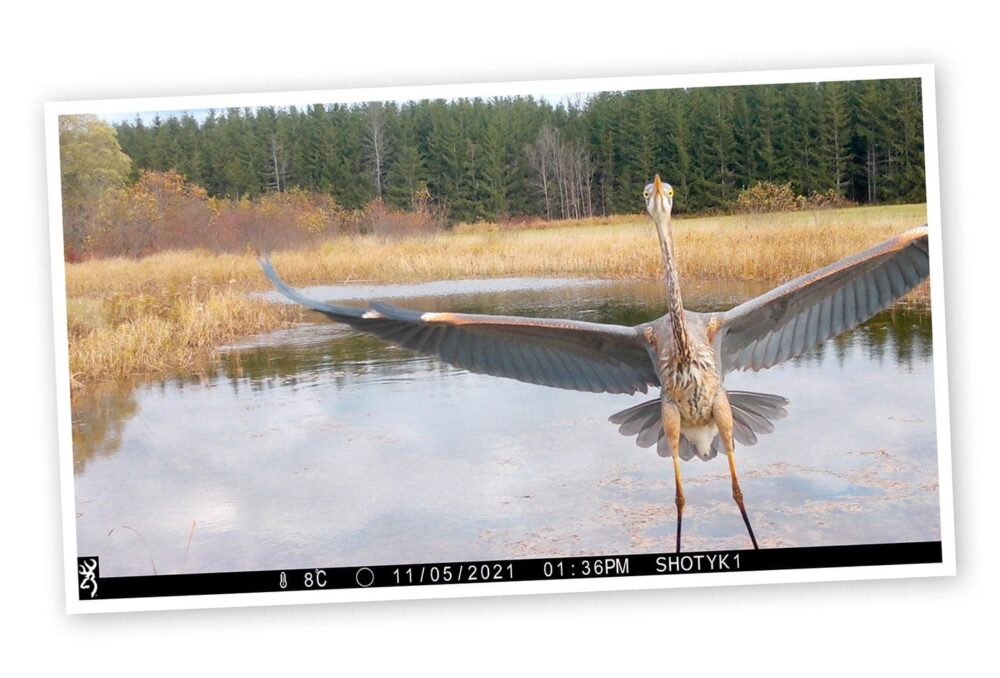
645	193
670	193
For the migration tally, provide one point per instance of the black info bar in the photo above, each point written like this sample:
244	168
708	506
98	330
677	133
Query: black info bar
95	587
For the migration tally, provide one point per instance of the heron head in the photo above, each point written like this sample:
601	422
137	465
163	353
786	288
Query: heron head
659	197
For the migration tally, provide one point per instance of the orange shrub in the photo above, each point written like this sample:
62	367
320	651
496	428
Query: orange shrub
766	196
829	199
377	218
161	210
165	211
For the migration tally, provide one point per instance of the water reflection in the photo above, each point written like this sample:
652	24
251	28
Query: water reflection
320	446
99	417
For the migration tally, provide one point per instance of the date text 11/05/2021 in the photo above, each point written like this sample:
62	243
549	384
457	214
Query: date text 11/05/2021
485	572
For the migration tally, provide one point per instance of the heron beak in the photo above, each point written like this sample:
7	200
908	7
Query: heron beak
658	192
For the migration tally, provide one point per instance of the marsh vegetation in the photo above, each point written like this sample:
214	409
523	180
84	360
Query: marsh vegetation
168	312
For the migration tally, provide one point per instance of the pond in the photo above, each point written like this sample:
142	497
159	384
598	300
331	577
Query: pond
317	446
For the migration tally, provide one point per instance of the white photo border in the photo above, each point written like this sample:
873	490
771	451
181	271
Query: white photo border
925	72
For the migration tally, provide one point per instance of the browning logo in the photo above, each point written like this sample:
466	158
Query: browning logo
87	569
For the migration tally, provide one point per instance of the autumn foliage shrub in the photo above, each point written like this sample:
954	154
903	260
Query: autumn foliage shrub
766	196
379	219
165	211
275	220
160	211
829	199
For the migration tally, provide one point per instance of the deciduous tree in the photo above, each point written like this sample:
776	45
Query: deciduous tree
92	165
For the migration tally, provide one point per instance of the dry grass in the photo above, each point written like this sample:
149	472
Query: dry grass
158	331
536	223
168	312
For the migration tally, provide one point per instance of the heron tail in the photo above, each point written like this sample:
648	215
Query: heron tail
753	414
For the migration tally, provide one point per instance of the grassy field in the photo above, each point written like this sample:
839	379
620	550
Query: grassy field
167	313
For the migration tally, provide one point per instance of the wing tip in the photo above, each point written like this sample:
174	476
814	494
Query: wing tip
914	234
341	313
272	275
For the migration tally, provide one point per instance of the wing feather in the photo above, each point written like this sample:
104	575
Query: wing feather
809	310
838	311
560	353
884	291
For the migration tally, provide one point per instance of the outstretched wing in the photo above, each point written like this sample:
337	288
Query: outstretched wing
562	353
793	318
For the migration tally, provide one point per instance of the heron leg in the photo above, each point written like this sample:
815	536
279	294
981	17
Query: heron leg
723	415
672	429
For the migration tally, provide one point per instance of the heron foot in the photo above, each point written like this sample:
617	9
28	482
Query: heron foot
680	515
738	496
746	520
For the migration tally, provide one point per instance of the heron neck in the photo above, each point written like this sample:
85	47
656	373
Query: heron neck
675	305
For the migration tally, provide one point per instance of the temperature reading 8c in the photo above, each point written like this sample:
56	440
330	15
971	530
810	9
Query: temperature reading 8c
315	578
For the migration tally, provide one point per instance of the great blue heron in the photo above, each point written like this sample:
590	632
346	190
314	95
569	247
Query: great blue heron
686	354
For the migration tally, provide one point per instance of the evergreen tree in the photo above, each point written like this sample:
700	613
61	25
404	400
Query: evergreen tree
480	158
635	149
835	138
802	137
406	177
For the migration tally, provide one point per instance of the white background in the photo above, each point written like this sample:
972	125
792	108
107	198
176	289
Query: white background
132	49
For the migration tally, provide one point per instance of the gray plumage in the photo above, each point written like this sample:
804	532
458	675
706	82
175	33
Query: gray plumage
753	413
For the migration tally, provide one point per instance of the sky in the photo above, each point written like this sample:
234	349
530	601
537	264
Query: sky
147	116
201	113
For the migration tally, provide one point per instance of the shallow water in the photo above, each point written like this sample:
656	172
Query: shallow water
318	446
